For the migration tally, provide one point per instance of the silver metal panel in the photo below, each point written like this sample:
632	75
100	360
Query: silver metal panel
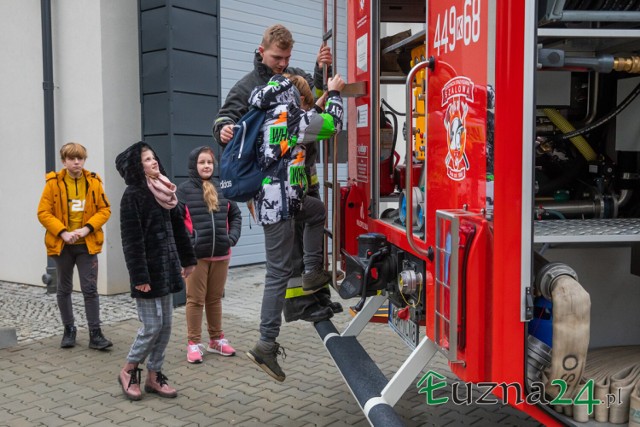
587	33
587	230
410	369
590	40
528	161
627	123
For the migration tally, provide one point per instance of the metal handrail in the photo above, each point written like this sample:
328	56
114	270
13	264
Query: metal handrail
408	183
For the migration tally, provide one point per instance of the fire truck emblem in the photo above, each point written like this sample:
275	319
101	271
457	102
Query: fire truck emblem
456	93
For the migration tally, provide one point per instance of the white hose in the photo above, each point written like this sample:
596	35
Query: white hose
616	374
634	407
615	371
571	316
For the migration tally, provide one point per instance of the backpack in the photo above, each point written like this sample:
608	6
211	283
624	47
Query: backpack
240	173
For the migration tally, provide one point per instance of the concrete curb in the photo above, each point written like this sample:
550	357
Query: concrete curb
8	337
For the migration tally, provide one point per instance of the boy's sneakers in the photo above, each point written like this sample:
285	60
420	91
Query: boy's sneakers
265	354
315	280
194	354
221	346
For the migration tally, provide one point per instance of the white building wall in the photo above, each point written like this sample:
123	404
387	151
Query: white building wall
22	256
96	96
120	117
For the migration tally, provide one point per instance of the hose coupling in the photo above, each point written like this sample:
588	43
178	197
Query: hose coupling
630	64
547	275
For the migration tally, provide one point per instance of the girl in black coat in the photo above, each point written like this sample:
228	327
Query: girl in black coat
158	254
217	223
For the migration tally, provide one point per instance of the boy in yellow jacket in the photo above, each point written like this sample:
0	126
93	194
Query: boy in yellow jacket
73	208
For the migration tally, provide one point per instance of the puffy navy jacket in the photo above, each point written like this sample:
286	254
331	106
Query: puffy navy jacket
214	233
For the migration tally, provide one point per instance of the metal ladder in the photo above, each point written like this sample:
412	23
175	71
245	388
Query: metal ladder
332	184
374	393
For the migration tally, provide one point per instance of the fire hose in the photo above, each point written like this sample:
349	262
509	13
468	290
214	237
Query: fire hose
634	410
615	371
616	374
571	321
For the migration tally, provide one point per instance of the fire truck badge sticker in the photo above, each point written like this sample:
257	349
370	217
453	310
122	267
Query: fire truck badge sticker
361	221
456	93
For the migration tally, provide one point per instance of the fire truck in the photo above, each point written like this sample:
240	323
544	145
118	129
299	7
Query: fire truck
507	238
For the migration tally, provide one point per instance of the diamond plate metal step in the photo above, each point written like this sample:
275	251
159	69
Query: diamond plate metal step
587	230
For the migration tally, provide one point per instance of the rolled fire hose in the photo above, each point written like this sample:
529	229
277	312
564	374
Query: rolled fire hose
580	143
634	410
616	374
571	317
615	371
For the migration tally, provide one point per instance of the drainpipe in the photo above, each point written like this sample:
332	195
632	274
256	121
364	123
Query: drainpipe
50	278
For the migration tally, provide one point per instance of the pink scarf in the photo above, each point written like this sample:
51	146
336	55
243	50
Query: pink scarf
163	190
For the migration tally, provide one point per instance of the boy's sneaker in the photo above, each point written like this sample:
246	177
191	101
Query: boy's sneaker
267	358
315	280
194	354
221	346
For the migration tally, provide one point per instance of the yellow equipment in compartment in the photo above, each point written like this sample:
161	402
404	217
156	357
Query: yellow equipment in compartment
417	56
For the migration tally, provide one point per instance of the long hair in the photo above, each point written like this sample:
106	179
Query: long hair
306	97
209	192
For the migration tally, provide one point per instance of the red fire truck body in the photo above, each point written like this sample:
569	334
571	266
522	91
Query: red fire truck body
453	248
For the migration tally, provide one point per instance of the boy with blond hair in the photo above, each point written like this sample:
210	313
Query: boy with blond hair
73	208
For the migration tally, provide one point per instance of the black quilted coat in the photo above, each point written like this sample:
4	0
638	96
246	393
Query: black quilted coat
214	232
154	240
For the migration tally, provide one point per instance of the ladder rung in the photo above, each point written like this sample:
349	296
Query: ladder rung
328	184
326	36
352	90
328	233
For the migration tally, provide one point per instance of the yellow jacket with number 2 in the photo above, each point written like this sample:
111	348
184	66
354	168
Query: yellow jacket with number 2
53	211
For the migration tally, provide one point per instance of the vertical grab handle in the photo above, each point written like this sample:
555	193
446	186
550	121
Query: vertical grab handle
334	184
408	184
335	190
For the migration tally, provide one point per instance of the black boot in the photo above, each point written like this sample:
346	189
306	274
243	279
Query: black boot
97	340
324	298
305	307
317	313
69	337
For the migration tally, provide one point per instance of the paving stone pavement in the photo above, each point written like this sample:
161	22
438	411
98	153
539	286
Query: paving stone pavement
44	385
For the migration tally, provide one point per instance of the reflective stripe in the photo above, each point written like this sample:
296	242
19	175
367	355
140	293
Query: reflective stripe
294	292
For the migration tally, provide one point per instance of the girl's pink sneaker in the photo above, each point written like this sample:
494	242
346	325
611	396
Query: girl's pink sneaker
194	353
221	346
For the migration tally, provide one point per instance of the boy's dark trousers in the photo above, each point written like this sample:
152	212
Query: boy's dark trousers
70	257
314	307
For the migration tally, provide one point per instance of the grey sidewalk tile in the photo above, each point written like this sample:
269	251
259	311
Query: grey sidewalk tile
78	386
284	421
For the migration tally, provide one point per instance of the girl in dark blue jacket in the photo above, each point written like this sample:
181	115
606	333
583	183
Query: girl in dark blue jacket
217	223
